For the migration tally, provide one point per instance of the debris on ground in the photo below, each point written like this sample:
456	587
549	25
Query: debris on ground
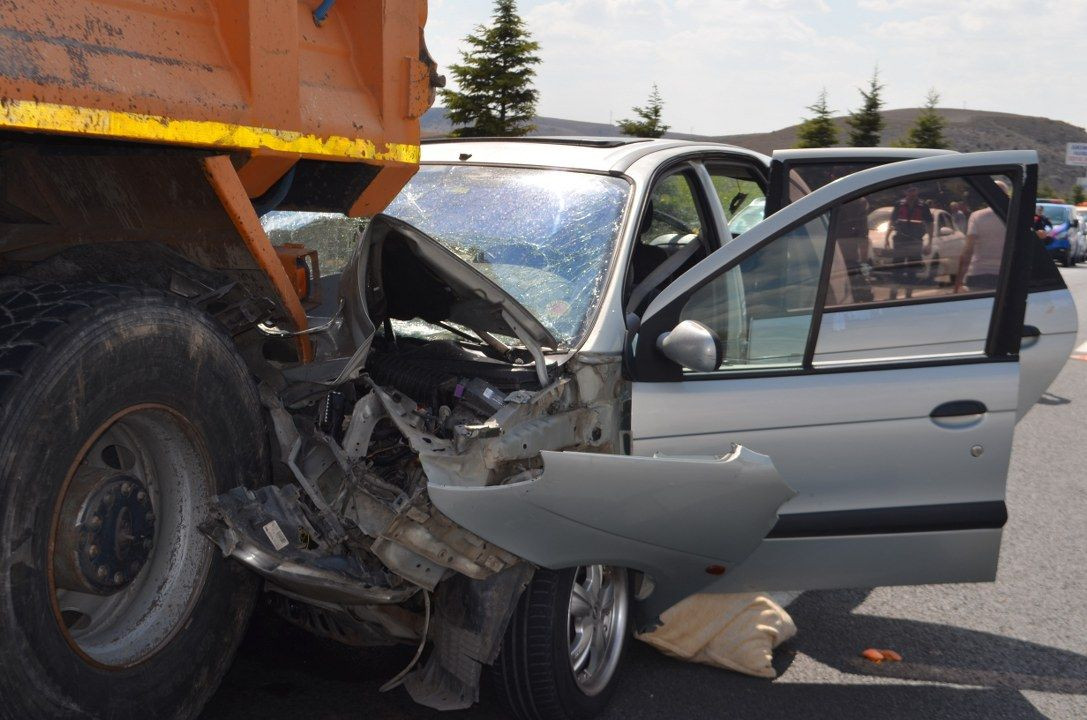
878	656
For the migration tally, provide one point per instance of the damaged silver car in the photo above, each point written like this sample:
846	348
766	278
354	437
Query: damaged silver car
553	396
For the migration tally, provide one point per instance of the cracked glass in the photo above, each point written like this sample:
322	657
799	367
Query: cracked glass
545	236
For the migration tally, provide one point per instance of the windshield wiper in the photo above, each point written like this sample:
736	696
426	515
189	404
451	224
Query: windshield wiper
495	344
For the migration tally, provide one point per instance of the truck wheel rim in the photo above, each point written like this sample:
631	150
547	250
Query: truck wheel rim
597	625
126	560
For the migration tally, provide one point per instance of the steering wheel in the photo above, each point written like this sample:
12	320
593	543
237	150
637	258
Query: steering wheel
673	222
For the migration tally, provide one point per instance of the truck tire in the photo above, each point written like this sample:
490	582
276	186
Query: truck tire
549	668
122	413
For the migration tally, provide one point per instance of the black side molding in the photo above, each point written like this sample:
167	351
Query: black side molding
957	408
1029	331
883	521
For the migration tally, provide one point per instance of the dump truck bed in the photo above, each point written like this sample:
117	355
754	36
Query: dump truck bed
268	78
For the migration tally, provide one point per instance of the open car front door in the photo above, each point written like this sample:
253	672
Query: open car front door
812	449
873	401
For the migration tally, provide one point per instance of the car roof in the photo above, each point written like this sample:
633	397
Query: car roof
599	154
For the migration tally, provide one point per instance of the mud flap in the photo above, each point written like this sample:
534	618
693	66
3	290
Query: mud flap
678	519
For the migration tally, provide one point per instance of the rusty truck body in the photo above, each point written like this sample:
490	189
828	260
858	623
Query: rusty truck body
140	140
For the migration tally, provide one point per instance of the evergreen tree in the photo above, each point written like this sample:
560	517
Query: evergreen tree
928	130
818	131
1077	194
866	124
495	96
649	125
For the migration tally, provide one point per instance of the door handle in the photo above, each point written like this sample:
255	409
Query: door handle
959	408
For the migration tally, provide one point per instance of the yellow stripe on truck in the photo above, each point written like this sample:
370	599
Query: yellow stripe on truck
90	122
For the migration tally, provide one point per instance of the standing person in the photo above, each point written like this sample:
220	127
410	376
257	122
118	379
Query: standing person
851	233
979	267
911	221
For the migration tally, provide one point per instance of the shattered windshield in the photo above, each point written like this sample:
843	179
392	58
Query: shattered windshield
545	236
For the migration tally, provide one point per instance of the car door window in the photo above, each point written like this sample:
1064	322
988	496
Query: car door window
920	287
669	238
762	308
871	273
673	218
899	244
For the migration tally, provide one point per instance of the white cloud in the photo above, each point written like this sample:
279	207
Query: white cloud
727	66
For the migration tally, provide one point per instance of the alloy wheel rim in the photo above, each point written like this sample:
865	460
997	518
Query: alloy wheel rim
597	625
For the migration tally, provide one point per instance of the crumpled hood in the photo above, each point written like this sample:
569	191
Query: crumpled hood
398	271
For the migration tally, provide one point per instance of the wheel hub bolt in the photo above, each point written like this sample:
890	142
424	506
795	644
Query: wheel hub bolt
92	551
126	489
118	577
101	572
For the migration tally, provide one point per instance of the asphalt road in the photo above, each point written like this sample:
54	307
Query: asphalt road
1013	649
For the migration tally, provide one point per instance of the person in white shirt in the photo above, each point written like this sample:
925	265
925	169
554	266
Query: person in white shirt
979	268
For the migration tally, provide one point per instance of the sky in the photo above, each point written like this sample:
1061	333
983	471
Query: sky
736	66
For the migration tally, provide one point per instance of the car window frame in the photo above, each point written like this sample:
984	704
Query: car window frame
1000	345
709	233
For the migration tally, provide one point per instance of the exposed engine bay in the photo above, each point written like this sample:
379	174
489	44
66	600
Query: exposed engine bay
347	536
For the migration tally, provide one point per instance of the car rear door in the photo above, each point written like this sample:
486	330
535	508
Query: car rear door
1049	331
890	419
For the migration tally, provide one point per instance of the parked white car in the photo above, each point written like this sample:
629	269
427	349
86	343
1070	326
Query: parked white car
944	242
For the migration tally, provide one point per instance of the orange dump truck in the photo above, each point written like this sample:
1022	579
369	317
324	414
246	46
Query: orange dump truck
140	141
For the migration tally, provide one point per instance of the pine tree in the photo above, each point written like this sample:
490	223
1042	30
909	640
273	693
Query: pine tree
866	124
650	125
820	130
1077	194
495	97
928	129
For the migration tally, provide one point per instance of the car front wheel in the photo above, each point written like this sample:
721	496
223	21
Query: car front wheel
564	646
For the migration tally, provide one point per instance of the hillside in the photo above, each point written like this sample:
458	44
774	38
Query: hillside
968	131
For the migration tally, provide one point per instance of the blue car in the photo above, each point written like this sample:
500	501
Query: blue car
1065	241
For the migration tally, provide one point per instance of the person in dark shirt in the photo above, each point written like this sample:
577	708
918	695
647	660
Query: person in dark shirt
1041	224
911	222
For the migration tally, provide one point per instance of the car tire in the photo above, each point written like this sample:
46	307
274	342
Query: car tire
115	402
564	646
1067	260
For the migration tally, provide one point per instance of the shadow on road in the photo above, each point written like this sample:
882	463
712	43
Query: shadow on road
833	634
282	672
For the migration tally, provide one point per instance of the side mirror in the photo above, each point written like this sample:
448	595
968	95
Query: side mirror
692	345
1075	223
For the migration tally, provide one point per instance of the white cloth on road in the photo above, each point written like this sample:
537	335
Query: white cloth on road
736	631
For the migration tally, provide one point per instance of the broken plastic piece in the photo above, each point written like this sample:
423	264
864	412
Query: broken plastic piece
873	655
